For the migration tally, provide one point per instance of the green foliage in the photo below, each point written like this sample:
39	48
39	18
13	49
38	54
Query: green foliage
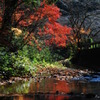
40	56
12	64
44	56
26	61
35	3
22	64
20	61
18	87
60	53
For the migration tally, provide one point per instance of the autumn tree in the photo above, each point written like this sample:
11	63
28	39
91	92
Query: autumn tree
82	20
30	22
82	17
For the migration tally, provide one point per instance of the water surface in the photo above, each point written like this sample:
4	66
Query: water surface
52	89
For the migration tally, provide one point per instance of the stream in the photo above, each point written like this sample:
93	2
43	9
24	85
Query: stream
84	87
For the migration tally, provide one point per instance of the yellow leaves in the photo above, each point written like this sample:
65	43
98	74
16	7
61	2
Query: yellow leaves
88	31
83	31
79	35
71	37
17	31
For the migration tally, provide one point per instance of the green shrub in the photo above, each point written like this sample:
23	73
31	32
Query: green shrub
45	55
12	64
24	62
39	56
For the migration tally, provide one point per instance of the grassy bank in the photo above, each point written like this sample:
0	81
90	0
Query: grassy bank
27	62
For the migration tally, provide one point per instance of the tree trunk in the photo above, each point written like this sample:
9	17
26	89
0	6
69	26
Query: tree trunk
5	34
10	6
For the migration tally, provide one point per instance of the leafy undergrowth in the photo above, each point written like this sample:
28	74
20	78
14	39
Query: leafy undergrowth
50	71
38	69
46	65
25	62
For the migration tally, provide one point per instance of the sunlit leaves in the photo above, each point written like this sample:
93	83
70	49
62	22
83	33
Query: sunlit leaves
16	31
83	31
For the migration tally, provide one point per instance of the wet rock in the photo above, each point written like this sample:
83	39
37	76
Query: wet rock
90	95
57	92
97	96
55	76
62	77
71	93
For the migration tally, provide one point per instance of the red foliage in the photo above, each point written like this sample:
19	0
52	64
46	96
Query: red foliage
48	14
57	32
0	19
48	11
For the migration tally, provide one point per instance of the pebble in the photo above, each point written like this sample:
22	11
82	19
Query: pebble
58	74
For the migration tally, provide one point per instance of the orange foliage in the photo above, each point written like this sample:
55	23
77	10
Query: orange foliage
83	31
50	13
57	32
74	38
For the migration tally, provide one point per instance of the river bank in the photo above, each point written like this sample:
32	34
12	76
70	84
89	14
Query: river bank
56	73
53	84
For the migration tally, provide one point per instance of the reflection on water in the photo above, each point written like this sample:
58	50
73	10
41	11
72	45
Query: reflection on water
47	85
36	97
49	89
19	87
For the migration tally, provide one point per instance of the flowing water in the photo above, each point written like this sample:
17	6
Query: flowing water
82	88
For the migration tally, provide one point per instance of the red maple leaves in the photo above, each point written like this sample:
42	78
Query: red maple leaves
47	15
57	33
